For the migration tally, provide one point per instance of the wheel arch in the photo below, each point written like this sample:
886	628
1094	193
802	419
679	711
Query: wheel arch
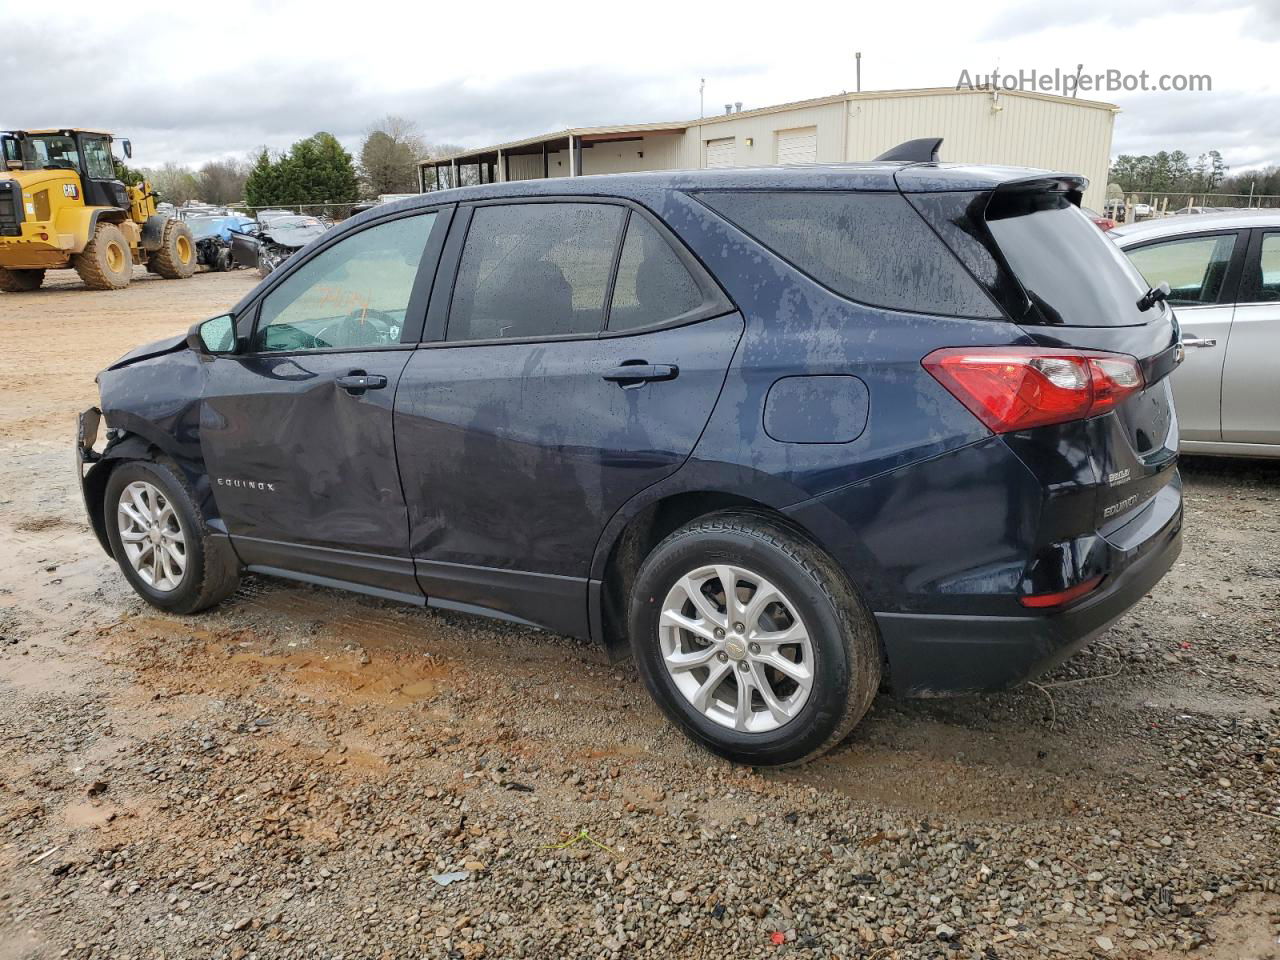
631	537
128	446
81	222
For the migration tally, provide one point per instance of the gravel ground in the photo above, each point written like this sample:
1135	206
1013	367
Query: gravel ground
302	773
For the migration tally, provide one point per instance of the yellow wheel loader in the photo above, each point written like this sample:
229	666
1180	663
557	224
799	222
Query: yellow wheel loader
62	205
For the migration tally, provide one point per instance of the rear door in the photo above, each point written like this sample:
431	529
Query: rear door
575	359
1198	269
1250	386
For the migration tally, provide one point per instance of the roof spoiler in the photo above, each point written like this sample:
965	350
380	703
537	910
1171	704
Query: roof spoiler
924	150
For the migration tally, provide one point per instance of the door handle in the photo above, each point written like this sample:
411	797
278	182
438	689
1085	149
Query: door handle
357	382
1191	340
632	373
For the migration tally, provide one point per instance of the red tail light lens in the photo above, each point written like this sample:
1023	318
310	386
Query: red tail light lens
1041	601
1015	388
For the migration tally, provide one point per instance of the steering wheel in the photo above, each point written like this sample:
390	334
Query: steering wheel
361	328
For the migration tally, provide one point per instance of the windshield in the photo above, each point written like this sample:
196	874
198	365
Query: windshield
1072	273
50	152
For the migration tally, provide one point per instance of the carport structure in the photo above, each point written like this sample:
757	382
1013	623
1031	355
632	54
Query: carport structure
565	153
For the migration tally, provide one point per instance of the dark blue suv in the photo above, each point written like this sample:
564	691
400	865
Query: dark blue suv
788	434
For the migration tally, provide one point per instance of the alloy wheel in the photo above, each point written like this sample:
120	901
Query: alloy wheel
736	648
152	536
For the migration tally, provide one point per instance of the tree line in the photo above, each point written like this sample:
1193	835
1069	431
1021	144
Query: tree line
1175	171
315	170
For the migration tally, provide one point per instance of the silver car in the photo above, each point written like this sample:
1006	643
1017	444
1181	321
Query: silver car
1223	270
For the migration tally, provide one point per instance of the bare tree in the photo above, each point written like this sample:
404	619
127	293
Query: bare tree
175	183
389	157
222	181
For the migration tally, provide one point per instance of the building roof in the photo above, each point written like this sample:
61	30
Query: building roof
604	133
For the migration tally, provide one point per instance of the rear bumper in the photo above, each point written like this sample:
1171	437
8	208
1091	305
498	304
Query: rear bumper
945	655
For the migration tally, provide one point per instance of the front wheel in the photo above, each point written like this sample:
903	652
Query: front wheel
752	640
163	546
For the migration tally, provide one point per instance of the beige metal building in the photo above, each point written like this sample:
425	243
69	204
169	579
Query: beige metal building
1007	127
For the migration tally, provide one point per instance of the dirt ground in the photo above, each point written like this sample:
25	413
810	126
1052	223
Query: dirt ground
302	773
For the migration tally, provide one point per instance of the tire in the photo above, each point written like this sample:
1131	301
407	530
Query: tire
211	572
176	258
20	281
843	656
106	262
222	263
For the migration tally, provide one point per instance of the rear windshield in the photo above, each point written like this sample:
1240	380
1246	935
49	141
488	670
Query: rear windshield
869	247
1073	275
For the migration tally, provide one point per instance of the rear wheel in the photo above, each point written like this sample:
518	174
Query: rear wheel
161	541
752	640
20	281
176	258
106	262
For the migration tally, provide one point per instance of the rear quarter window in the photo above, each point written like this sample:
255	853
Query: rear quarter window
869	247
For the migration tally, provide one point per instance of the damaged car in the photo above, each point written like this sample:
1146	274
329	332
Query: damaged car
781	435
212	236
266	245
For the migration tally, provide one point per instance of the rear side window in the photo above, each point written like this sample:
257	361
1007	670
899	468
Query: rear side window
1267	279
534	270
1194	267
869	247
653	286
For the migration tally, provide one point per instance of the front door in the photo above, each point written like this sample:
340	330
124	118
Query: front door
1250	386
297	431
552	400
1198	272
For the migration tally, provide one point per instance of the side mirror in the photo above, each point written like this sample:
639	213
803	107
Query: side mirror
127	147
211	337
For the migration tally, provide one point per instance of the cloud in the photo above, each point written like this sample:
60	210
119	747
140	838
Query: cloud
1124	18
1239	125
228	108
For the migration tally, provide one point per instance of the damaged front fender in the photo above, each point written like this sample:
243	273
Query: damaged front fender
150	401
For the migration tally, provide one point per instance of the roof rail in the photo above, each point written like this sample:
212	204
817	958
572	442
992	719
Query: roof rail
924	150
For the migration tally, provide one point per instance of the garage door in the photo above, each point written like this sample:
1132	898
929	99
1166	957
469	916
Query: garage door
720	152
798	146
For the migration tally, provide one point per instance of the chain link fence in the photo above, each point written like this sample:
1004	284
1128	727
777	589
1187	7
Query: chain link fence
1143	205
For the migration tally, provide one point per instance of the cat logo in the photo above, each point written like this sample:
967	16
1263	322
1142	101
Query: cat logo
71	191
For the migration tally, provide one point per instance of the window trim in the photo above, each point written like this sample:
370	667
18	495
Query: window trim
1235	266
247	320
716	302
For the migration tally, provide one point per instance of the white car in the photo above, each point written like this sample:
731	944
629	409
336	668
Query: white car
1223	271
1141	209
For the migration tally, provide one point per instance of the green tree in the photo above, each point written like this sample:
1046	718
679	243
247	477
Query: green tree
260	184
389	157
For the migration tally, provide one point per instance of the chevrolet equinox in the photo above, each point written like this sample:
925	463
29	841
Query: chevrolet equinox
789	434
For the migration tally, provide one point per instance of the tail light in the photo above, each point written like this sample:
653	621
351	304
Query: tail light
1015	388
1060	598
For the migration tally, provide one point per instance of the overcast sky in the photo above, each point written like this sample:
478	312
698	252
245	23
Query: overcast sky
191	82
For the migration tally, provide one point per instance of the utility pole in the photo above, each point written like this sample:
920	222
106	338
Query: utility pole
857	57
702	98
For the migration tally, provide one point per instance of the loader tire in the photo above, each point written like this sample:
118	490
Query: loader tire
106	263
20	281
176	258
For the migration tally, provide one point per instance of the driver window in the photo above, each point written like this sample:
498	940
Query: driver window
354	294
97	160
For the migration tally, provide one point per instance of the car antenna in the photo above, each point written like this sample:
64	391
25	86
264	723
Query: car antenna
1153	296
